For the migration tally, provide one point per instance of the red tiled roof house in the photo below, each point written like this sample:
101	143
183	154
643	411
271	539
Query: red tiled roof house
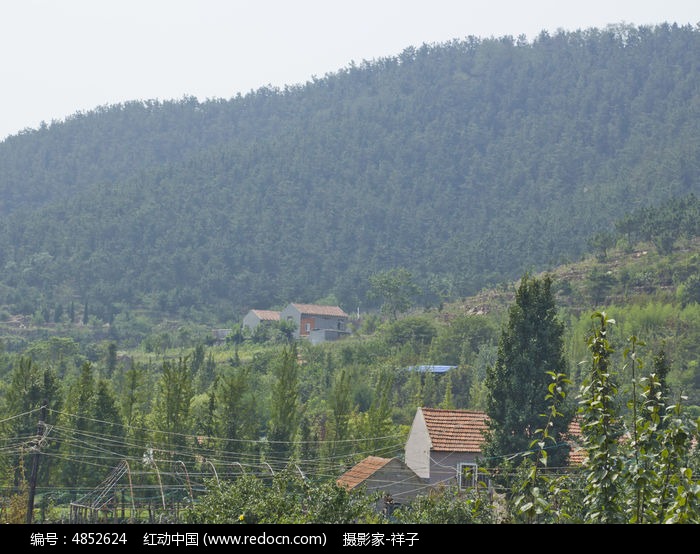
443	443
315	322
444	446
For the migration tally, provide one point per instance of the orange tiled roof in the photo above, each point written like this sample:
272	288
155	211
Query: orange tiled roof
455	430
362	471
462	431
315	309
267	315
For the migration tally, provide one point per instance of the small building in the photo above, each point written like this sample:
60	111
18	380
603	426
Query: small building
390	477
255	317
316	322
443	446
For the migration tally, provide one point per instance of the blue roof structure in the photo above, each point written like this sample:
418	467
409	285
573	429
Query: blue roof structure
432	368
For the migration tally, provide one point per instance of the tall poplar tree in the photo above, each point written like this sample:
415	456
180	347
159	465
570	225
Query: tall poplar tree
236	409
284	405
78	463
171	412
530	349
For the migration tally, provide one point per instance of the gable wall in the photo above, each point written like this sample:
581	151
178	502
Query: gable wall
398	481
251	320
417	449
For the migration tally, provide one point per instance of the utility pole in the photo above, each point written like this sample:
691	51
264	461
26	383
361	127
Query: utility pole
35	463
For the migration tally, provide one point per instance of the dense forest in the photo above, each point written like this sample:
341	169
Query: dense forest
416	192
466	162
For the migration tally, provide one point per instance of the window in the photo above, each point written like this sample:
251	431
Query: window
308	327
468	475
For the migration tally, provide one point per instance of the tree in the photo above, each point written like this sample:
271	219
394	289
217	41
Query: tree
639	465
600	243
134	396
108	420
396	290
171	413
29	388
284	405
287	499
529	351
340	402
377	424
111	361
82	398
237	410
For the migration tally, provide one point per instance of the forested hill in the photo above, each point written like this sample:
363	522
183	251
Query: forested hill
467	163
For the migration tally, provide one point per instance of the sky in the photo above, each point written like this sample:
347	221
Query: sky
60	57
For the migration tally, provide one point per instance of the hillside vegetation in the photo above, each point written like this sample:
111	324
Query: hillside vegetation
467	163
131	232
180	402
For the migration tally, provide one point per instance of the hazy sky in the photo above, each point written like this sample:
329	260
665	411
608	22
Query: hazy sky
64	56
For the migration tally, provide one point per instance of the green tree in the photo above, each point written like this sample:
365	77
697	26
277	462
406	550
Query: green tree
134	396
600	243
288	499
108	420
601	428
418	331
236	409
111	361
377	425
29	388
284	405
448	401
529	351
197	361
396	290
77	447
340	402
689	290
171	413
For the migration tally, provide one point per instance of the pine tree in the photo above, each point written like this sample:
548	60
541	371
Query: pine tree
529	350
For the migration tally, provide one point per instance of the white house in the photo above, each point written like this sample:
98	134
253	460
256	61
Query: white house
255	317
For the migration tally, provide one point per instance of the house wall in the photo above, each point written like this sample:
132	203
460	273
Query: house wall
444	466
397	480
322	323
417	449
251	321
308	324
326	322
290	313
